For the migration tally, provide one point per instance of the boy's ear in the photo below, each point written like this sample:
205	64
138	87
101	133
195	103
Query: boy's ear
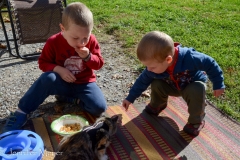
169	59
61	27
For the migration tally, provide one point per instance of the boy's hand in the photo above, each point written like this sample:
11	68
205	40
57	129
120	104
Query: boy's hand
65	74
126	104
83	52
218	92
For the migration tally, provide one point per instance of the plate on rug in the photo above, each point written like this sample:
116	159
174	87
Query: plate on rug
68	124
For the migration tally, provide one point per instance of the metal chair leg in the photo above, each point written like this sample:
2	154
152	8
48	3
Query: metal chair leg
5	35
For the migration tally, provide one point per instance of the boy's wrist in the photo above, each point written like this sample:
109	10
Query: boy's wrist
88	57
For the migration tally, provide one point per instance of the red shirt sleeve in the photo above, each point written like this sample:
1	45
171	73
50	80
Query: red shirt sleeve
47	59
96	61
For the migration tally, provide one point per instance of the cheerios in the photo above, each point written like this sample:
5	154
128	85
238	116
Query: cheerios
70	127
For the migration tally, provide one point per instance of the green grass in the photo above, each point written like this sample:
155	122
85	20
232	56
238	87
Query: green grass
210	26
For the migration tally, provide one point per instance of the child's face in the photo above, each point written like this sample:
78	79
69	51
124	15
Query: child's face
157	67
76	36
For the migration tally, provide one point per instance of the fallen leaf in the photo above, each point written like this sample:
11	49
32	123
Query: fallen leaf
39	50
126	69
5	19
117	76
146	93
2	46
129	85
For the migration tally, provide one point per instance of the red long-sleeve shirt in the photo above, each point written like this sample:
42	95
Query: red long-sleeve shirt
57	52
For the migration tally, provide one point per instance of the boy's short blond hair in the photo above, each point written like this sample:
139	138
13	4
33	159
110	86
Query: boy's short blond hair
77	13
155	45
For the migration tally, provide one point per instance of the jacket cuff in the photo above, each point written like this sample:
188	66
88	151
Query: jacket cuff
130	98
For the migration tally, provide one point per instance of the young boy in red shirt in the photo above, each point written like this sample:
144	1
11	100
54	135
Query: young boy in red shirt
68	61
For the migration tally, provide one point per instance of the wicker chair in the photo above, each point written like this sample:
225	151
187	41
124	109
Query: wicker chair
32	21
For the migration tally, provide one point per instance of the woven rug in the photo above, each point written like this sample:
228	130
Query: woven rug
143	136
149	137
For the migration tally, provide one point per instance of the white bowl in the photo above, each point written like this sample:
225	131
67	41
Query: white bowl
68	119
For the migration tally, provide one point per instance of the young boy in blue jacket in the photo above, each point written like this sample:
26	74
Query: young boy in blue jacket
172	70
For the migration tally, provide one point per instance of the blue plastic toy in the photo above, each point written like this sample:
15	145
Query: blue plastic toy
21	145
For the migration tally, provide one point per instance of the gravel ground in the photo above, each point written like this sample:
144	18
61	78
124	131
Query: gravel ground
16	75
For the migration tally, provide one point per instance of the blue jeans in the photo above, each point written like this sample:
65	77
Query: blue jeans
50	83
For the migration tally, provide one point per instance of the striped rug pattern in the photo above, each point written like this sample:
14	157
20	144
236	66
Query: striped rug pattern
146	137
142	136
